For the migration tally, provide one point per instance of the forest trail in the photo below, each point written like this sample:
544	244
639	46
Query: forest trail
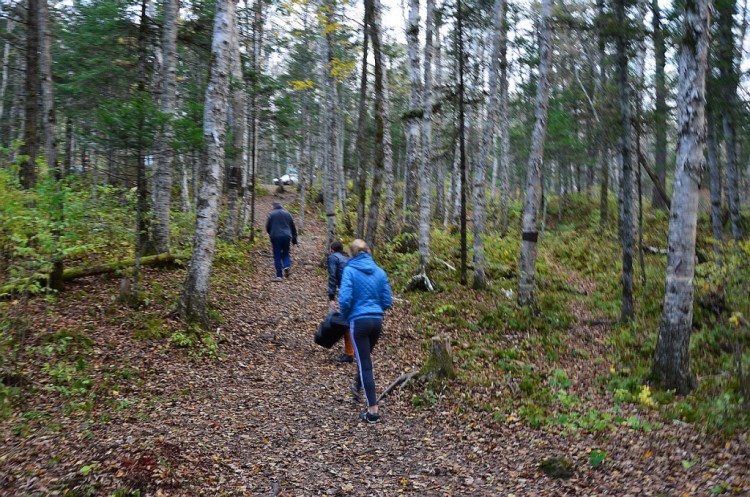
273	416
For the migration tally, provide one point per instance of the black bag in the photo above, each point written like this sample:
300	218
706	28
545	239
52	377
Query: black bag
331	330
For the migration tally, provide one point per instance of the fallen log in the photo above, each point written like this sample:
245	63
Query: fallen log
80	272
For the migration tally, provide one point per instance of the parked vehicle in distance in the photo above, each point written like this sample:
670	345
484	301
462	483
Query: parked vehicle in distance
290	178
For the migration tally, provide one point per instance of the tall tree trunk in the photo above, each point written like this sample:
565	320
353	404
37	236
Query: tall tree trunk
487	151
602	149
257	70
238	154
530	218
9	25
194	301
68	153
165	151
331	120
412	121
425	161
504	125
660	117
27	172
381	121
439	211
361	155
390	224
184	188
626	157
672	360
714	179
725	10
461	136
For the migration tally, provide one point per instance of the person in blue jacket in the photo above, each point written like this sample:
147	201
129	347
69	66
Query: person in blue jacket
363	297
280	228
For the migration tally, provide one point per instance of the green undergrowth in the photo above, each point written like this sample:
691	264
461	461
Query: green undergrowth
509	359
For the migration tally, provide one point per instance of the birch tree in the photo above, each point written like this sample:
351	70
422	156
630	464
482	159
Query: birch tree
532	200
194	302
165	154
361	144
486	153
328	9
415	109
27	172
425	161
671	366
662	111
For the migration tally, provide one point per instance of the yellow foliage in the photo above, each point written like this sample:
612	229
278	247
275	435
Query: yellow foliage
302	85
644	396
736	319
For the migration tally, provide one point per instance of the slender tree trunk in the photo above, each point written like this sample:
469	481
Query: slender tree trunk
660	117
257	53
361	155
194	301
462	136
231	224
725	10
714	177
626	157
412	122
165	152
381	121
439	210
27	173
390	225
500	163
672	360
184	188
530	218
602	146
332	121
68	155
487	151
9	25
425	161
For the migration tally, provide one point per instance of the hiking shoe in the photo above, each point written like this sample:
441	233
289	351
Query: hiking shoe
278	278
355	392
345	358
286	271
369	417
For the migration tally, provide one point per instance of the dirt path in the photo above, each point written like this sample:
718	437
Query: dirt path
274	417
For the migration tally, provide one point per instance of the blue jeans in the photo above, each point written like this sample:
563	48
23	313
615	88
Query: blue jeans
365	333
281	257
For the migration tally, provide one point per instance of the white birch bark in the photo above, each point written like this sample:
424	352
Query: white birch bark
504	162
9	25
440	205
412	123
672	359
486	153
194	301
162	195
530	218
390	225
425	161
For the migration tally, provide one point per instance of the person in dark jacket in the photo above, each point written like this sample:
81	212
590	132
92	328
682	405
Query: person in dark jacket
280	228
363	297
336	263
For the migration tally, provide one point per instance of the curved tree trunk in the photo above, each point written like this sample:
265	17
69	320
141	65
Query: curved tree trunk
530	218
672	360
194	302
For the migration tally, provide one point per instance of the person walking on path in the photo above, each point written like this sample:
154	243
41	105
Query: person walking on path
337	260
363	297
280	228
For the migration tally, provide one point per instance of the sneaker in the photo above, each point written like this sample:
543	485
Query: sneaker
345	358
278	278
355	392
369	417
286	271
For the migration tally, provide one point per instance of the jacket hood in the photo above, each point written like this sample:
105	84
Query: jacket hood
364	263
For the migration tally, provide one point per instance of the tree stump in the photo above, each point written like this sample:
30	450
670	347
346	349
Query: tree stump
440	363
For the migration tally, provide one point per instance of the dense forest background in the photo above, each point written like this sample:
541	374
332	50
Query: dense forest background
519	168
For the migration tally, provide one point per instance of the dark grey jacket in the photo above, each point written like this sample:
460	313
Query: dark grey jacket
281	225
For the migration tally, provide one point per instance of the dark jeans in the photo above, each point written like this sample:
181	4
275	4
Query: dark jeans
365	333
281	257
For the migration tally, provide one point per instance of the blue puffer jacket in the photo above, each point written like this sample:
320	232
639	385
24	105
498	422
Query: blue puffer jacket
364	292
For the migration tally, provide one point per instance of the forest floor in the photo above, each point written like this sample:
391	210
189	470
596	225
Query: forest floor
272	415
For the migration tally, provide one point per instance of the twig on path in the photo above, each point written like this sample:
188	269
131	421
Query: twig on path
403	379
